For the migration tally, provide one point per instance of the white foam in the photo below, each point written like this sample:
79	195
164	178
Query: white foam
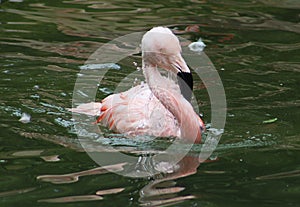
25	118
197	46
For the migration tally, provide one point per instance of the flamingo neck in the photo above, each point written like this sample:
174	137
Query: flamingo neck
163	90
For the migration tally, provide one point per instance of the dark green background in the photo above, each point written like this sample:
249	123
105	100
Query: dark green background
43	43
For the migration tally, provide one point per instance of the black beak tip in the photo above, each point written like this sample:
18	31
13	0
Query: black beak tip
185	81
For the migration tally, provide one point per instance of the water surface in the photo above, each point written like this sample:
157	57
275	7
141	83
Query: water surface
255	47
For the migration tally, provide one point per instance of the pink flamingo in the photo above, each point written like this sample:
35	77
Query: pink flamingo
159	108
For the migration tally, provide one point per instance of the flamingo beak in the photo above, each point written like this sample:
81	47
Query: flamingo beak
184	77
180	65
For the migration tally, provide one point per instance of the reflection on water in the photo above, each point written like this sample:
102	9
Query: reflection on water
69	199
162	190
15	192
294	173
74	177
96	197
255	48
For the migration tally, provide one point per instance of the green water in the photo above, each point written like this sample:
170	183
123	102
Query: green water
255	47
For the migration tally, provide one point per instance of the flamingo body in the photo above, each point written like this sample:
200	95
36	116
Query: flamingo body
138	112
156	108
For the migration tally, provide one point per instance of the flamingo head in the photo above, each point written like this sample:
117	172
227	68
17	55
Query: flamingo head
161	48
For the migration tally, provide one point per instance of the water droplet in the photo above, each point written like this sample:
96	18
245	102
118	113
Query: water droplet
36	87
35	96
215	131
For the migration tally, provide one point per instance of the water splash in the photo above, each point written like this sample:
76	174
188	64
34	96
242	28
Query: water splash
197	46
113	66
25	118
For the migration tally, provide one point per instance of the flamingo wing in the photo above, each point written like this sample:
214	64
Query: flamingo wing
137	112
133	112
